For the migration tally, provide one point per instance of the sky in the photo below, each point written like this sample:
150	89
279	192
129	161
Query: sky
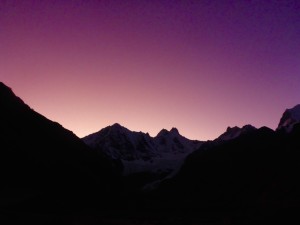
199	66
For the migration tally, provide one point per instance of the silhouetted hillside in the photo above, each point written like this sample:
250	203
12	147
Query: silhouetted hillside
44	167
248	180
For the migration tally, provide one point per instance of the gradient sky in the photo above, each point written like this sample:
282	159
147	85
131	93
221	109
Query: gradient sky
199	66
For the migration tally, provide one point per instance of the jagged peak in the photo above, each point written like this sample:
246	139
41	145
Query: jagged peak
232	128
164	132
289	118
233	132
174	130
117	128
245	127
248	127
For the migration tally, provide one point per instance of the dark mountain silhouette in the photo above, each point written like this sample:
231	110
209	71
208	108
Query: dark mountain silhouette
251	179
44	167
234	132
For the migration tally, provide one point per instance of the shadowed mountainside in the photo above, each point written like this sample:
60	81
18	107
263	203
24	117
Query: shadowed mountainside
44	167
248	180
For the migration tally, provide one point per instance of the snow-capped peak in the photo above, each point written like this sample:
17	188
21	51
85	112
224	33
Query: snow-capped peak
289	118
139	152
120	143
172	142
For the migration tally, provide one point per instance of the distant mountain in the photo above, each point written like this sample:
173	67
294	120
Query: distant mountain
234	132
140	153
118	142
289	118
43	166
171	142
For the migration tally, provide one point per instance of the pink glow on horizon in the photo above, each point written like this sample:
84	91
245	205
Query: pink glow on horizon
199	67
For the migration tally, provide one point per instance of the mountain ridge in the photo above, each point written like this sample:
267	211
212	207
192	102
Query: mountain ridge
43	164
234	132
139	153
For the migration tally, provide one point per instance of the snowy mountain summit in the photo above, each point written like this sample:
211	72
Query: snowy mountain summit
139	152
289	118
117	142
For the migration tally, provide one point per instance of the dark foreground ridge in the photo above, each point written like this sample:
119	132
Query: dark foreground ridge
49	176
45	168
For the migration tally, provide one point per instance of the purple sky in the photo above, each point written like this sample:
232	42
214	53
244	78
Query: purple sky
199	66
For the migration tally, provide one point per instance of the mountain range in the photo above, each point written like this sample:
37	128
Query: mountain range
160	157
116	176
